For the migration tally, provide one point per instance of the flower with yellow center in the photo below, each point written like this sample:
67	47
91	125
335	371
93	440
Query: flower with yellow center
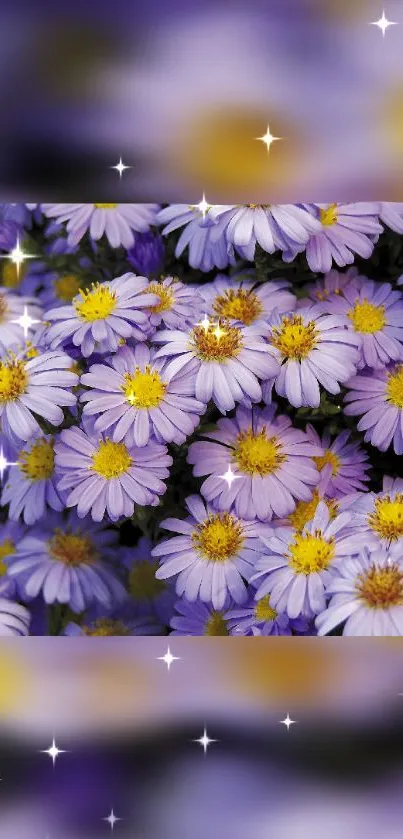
111	459
311	552
366	317
238	304
219	538
328	215
394	387
386	520
217	342
13	379
38	462
294	339
96	303
165	294
73	549
105	206
7	548
264	611
144	388
12	276
381	587
216	624
106	627
67	287
258	453
328	458
305	511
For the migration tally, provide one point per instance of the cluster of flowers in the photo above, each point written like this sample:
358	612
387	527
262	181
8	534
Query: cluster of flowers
114	392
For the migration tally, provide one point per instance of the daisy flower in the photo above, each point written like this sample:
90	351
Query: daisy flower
31	486
147	254
332	283
178	304
257	617
272	462
297	565
100	475
66	561
246	303
227	361
378	517
375	313
10	534
212	556
117	221
135	399
366	595
14	618
205	252
103	316
272	226
12	306
378	396
40	386
200	618
343	465
347	229
312	348
391	213
148	596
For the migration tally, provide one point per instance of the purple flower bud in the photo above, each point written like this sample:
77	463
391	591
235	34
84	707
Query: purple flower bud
147	254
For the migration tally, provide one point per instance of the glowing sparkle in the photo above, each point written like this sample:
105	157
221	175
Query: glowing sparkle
229	476
203	206
53	752
4	464
268	138
383	23
287	722
205	741
18	256
218	332
205	323
168	658
112	819
25	321
120	167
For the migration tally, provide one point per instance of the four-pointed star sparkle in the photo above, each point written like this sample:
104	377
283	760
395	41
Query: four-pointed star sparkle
268	138
120	167
205	741
17	256
25	322
383	23
205	323
53	751
168	658
287	722
112	819
230	476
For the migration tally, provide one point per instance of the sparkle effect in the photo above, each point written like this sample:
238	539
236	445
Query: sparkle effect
287	722
268	139
25	322
53	752
205	741
120	167
17	256
112	819
168	658
383	23
230	476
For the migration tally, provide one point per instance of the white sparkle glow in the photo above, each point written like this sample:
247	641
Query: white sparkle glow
53	752
168	658
17	256
287	722
120	167
268	138
218	332
205	323
229	476
112	819
205	741
203	206
4	464
25	322
383	23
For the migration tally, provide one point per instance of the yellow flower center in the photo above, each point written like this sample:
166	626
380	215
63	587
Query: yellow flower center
67	287
216	625
263	610
13	380
218	538
105	206
237	304
105	627
294	339
366	317
111	459
11	277
7	548
325	459
143	584
3	307
329	215
387	518
96	304
257	454
72	548
310	553
394	387
38	463
216	343
31	351
144	389
381	588
165	295
305	511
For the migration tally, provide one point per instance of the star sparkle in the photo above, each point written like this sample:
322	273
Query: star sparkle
383	23
288	722
53	751
230	476
205	741
4	464
205	323
268	139
17	256
120	167
26	322
112	819
218	332
168	658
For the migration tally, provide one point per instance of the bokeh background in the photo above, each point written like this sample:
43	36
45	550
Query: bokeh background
181	91
127	726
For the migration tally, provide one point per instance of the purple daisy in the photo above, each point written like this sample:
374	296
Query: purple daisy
378	517
343	465
101	475
14	618
271	461
257	617
107	626
272	226
67	562
178	304
148	596
245	302
117	221
366	594
147	254
10	535
391	213
103	316
378	396
205	252
298	564
212	556
31	485
12	307
313	348
34	386
200	618
135	399
332	283
227	361
347	229
375	313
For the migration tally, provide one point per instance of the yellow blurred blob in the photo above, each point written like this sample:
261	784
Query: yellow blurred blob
343	10
14	687
114	688
220	153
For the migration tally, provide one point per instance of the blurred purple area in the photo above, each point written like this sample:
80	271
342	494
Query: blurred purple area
182	91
